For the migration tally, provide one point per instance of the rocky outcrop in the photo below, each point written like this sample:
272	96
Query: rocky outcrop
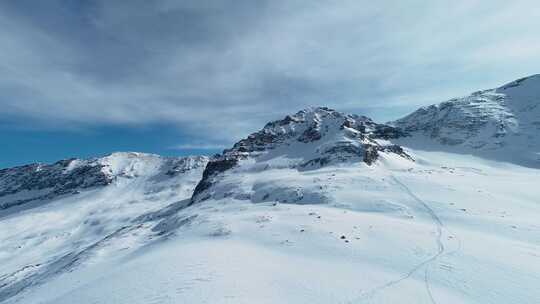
211	172
22	184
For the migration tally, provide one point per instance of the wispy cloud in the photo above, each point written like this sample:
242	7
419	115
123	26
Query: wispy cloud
218	70
198	147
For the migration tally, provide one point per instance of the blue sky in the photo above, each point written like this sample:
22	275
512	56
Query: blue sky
22	146
86	78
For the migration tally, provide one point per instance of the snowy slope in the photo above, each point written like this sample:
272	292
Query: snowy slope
443	229
80	205
501	124
319	207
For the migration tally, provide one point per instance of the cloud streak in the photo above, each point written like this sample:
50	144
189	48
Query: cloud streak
198	147
218	70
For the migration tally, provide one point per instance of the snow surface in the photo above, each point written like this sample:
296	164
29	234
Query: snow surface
443	229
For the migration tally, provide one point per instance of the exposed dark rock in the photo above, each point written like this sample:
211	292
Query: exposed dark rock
397	150
213	168
316	162
388	132
48	181
370	155
310	134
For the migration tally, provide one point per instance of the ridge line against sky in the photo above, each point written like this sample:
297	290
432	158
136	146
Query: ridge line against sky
86	78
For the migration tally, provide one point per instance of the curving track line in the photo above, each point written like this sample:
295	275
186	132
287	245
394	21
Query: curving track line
440	250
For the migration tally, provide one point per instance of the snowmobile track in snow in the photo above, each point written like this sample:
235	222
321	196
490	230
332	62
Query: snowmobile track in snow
438	223
440	250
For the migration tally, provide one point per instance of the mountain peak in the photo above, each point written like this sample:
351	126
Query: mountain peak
310	139
314	124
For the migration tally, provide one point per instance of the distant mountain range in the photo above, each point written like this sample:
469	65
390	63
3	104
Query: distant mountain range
440	206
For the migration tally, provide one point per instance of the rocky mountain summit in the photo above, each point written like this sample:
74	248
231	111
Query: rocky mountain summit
310	139
311	125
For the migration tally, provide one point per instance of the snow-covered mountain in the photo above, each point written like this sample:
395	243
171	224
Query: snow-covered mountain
54	217
319	207
501	123
308	140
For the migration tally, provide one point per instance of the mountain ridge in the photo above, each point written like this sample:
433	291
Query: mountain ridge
318	191
495	99
501	123
23	184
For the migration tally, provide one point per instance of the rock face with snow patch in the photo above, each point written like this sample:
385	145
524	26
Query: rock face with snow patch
317	125
310	139
40	182
501	123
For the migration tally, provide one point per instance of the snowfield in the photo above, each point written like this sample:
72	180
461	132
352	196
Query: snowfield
320	207
462	231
